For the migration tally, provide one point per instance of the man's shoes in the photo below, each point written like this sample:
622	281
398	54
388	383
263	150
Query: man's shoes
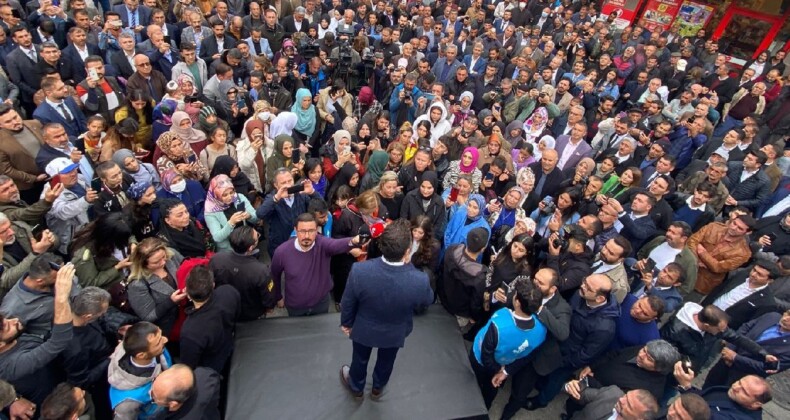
375	394
533	404
347	384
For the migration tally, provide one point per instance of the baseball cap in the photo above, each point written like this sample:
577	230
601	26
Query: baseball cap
60	166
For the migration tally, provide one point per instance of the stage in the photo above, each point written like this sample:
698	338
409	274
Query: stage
288	368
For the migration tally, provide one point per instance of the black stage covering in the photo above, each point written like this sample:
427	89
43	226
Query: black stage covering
288	368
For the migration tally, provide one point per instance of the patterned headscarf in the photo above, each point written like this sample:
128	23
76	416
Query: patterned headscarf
164	141
219	184
533	128
137	190
167	178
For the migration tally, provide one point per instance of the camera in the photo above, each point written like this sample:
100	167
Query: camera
406	97
542	95
549	206
561	241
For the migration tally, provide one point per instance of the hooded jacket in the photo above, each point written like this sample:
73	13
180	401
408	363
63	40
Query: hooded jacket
439	129
592	330
129	393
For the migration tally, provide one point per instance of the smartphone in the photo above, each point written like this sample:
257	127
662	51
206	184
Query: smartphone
189	99
489	176
771	366
453	194
649	265
192	158
547	200
297	155
295	189
96	184
771	236
55	180
583	384
240	102
93	74
166	38
500	200
347	149
686	364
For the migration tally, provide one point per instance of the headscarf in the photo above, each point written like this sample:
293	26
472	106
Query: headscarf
343	177
377	164
466	94
219	184
188	135
224	165
366	96
163	142
472	166
481	204
163	112
514	125
283	123
339	134
167	179
548	141
119	157
532	128
431	177
224	87
186	78
305	123
137	190
277	158
524	175
252	125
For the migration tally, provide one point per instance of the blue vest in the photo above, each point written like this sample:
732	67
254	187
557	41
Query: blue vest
141	395
512	342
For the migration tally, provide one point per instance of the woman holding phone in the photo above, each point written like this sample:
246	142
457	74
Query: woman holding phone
180	157
225	209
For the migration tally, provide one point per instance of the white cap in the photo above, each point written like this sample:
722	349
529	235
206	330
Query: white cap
60	165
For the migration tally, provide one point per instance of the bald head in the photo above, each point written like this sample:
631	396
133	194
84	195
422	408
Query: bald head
173	387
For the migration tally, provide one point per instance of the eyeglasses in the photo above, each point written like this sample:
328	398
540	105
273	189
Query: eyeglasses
144	65
307	232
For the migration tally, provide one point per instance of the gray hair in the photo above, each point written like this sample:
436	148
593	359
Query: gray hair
664	355
4	179
125	35
3	218
579	108
90	301
452	47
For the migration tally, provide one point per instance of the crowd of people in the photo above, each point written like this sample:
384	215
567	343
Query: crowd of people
604	209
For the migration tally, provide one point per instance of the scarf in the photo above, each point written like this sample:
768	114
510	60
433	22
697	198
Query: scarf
163	112
481	204
532	128
377	165
205	112
305	122
472	166
219	184
163	142
188	135
167	179
277	159
190	242
224	166
283	123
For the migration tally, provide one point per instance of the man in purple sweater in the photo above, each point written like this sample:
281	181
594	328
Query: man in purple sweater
305	262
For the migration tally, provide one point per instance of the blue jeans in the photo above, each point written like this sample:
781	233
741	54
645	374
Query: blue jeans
359	366
726	126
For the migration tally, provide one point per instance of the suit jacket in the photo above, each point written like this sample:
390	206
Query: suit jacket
289	25
76	66
556	316
438	69
46	113
582	150
758	303
143	13
157	80
161	63
265	48
751	193
550	187
188	35
22	71
15	161
598	403
637	231
479	67
209	47
369	287
121	64
752	363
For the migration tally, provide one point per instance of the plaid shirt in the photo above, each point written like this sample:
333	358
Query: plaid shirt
360	111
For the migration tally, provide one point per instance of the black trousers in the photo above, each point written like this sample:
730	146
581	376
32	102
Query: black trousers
358	373
483	377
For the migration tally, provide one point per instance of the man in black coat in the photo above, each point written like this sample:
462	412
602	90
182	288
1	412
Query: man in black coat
638	226
721	83
207	333
748	184
548	178
211	48
745	295
241	269
573	262
462	285
187	394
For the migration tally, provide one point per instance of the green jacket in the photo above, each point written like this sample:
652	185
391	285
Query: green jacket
30	214
95	271
14	270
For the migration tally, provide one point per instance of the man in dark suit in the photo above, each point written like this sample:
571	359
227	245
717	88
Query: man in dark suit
772	332
21	64
556	317
134	16
548	178
638	227
75	54
211	48
377	307
60	107
571	149
747	182
296	22
743	400
123	60
745	295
